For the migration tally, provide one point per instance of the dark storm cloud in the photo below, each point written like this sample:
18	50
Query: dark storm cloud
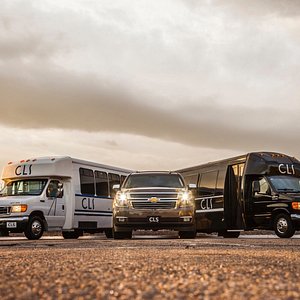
88	104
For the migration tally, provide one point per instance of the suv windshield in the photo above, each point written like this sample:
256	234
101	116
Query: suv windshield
285	183
24	187
153	180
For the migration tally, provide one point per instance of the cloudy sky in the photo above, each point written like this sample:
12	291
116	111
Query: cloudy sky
146	84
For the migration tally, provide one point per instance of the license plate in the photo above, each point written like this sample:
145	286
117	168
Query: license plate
153	219
11	225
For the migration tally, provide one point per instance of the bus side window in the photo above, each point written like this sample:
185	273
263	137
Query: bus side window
87	181
113	179
101	184
220	182
208	184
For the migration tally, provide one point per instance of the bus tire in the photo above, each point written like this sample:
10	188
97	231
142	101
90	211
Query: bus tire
35	228
108	233
187	234
283	226
231	235
121	235
71	234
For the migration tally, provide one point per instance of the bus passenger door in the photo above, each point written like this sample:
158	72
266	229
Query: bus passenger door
233	202
55	194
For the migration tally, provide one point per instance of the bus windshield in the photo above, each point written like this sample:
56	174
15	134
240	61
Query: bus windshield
30	187
287	184
153	180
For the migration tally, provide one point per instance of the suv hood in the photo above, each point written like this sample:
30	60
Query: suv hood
154	190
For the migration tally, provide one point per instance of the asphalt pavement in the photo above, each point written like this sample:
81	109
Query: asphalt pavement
150	267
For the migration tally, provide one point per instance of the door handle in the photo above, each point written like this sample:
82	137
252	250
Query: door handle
42	200
63	207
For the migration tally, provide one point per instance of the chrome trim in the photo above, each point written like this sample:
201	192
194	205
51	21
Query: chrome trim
209	197
145	192
263	215
155	196
14	219
295	216
209	210
277	205
156	205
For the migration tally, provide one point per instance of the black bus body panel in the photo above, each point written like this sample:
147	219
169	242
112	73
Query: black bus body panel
231	204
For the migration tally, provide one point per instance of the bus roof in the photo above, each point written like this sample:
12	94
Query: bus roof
263	157
60	166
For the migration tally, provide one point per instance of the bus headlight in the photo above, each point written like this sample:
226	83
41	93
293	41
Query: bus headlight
121	200
18	208
185	199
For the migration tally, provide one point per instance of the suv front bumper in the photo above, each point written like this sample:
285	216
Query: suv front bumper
174	219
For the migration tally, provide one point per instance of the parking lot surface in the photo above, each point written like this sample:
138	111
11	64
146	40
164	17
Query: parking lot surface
150	267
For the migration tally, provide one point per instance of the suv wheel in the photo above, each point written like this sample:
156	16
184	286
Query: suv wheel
120	235
109	233
231	235
187	234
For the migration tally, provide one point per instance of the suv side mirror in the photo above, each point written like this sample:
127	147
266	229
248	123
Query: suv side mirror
256	187
116	187
192	186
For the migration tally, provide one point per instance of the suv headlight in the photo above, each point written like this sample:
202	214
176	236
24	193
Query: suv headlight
18	208
121	200
185	199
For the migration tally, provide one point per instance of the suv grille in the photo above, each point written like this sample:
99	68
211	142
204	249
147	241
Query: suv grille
4	210
157	205
165	199
157	195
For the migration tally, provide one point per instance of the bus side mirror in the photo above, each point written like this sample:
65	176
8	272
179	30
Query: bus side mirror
60	192
256	187
192	186
116	187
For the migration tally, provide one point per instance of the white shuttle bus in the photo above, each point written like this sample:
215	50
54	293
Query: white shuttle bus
58	193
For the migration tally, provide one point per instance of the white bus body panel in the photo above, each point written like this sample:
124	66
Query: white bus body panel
73	208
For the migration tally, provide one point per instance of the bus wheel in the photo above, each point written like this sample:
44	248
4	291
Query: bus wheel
35	228
120	235
187	234
283	226
109	233
71	234
231	235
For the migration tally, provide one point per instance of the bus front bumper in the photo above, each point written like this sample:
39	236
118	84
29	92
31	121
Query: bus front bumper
13	224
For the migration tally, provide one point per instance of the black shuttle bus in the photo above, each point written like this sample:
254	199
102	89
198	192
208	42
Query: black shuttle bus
258	190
